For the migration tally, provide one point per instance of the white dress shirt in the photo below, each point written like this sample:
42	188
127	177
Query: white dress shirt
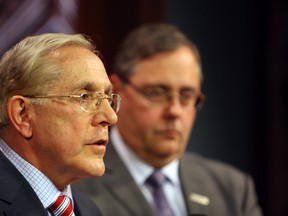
140	171
41	184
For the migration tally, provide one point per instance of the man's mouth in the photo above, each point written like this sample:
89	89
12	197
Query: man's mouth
101	142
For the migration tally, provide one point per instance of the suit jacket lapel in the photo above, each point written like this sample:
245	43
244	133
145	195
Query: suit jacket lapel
195	190
82	205
17	193
25	205
127	192
123	186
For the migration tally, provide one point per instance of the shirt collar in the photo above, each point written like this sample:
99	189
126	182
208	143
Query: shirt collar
41	184
140	170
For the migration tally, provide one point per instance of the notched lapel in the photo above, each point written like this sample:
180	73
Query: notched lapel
128	193
124	188
16	195
194	189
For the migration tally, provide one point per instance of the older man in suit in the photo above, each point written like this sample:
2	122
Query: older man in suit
56	104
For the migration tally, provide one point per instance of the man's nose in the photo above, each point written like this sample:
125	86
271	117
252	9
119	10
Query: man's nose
174	105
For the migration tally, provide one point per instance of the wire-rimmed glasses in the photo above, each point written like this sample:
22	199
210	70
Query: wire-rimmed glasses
89	102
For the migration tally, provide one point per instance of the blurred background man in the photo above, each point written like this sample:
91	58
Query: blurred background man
158	74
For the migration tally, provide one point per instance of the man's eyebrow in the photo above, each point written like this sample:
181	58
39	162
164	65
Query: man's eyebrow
109	89
87	86
91	87
190	88
157	85
167	87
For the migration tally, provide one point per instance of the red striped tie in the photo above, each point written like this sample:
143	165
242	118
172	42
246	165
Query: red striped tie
62	207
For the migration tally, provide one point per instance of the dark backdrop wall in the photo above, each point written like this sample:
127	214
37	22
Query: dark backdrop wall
244	50
225	37
226	34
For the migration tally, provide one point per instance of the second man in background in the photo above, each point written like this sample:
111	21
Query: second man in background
158	74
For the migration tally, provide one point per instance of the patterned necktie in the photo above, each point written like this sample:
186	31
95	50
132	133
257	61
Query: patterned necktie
62	207
156	180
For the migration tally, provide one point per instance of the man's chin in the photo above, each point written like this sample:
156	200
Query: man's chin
98	168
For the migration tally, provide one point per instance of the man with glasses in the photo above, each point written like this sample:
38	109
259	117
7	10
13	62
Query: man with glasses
56	104
158	74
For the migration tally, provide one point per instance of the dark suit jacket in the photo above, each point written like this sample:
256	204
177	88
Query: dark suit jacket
17	198
210	188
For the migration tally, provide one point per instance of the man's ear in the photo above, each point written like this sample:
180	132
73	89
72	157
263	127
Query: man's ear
20	115
116	82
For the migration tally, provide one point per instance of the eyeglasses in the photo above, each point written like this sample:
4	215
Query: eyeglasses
161	95
89	102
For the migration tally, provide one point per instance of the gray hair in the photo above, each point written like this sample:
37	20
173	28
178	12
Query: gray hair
146	41
28	68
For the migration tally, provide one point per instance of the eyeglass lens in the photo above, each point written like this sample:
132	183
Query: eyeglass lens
93	104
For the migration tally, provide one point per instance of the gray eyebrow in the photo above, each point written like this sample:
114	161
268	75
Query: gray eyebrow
92	87
166	87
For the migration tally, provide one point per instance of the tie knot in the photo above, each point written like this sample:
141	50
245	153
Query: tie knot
156	179
62	207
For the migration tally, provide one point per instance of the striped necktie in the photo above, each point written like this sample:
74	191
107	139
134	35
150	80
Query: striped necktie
62	207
